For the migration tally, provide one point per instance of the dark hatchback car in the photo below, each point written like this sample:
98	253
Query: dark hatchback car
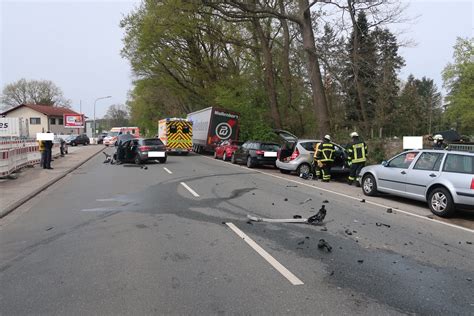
256	153
140	150
75	140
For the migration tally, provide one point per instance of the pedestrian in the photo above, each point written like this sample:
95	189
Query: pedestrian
325	157
438	142
48	144
42	151
357	156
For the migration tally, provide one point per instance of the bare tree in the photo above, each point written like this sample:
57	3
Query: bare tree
43	92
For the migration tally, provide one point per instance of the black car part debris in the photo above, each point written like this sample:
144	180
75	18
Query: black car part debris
382	224
324	244
313	220
108	158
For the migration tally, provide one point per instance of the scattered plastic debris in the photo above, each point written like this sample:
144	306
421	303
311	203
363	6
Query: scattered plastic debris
324	229
469	242
325	201
297	216
49	228
306	201
362	201
301	242
389	210
285	199
313	220
360	261
382	224
324	244
348	232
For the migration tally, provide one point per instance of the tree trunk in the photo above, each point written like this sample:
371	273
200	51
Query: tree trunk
269	73
309	44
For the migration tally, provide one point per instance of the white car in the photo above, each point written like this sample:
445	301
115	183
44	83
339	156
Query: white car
444	179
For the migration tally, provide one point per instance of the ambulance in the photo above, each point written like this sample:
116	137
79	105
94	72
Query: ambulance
176	134
111	137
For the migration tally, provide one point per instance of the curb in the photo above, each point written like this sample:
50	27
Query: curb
31	195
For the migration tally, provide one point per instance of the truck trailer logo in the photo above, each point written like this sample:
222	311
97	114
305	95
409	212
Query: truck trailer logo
223	130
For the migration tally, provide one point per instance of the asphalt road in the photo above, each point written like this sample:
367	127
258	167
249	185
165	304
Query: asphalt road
112	239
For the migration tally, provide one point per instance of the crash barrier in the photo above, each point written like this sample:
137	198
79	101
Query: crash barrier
462	147
17	154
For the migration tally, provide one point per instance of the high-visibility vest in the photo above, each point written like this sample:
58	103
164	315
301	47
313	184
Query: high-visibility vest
357	152
42	147
325	152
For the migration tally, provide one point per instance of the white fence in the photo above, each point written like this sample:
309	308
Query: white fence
17	154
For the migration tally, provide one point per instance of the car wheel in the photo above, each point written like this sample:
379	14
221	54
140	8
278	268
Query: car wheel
232	159
284	171
137	160
224	156
250	162
369	186
303	168
441	203
215	154
73	144
162	160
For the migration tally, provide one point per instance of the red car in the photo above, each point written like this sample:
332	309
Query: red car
226	149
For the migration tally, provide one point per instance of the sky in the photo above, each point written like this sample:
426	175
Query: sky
76	44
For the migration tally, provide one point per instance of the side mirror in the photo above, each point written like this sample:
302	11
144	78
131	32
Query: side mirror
384	163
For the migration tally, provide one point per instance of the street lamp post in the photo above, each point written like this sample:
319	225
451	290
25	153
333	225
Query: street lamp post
107	97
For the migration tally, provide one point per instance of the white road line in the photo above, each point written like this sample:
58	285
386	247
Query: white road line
167	170
274	263
358	199
189	189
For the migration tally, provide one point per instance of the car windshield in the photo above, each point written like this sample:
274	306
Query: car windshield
269	147
152	142
112	134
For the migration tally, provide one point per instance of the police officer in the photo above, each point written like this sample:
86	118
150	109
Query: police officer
438	142
357	156
325	157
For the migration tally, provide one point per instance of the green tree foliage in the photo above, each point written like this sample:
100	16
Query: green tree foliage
43	92
459	81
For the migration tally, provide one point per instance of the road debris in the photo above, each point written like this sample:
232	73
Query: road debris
108	158
301	242
324	244
291	186
313	220
285	199
249	222
360	261
306	201
389	210
382	224
348	232
49	228
324	229
469	242
297	216
362	201
325	201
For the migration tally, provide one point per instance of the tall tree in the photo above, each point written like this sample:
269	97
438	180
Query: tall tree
117	115
24	91
458	79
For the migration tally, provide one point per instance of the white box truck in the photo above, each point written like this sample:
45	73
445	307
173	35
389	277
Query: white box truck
211	126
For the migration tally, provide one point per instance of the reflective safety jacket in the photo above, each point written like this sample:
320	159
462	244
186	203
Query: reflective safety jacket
357	152
42	146
325	152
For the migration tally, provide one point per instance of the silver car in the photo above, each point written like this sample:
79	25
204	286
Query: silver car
297	155
444	179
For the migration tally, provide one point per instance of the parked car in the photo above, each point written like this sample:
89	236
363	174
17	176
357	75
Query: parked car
254	153
296	155
100	138
444	179
225	149
141	150
75	140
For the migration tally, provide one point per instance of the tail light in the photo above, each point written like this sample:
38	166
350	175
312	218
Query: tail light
144	148
472	184
260	152
295	154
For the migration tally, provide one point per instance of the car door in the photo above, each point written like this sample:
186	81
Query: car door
392	178
458	170
423	172
241	152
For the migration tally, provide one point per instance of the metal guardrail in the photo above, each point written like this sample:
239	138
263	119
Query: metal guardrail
462	147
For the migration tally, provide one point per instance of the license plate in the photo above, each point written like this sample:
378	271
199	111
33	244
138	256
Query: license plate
156	154
269	154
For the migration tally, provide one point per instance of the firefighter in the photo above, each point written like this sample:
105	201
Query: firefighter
325	157
438	142
357	156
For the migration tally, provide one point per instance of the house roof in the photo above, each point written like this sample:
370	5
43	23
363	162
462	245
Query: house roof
45	109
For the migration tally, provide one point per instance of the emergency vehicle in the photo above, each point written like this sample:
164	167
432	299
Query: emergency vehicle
111	137
176	134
